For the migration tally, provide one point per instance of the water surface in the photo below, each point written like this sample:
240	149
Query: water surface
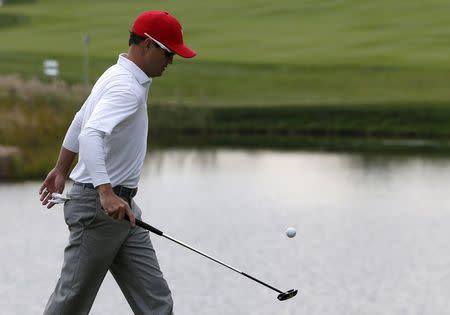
372	234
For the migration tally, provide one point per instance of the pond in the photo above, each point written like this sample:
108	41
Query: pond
372	234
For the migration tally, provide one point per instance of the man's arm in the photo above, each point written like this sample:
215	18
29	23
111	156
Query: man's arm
114	107
56	178
91	149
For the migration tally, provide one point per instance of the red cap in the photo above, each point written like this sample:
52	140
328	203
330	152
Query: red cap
165	28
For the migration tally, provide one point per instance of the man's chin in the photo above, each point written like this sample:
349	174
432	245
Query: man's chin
160	73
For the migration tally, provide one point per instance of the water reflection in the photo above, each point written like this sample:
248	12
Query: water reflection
204	158
174	160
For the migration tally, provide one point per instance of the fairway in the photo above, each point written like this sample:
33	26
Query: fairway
253	52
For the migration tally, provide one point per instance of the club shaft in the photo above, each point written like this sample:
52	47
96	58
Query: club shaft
201	253
161	233
260	282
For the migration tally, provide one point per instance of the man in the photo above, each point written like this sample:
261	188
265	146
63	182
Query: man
109	133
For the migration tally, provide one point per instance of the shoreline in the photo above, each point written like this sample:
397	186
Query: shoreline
36	117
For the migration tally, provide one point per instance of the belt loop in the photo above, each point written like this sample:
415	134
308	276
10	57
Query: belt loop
120	190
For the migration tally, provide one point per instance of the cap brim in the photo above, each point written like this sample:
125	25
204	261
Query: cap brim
183	51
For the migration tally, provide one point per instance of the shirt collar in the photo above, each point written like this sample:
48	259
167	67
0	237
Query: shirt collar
137	72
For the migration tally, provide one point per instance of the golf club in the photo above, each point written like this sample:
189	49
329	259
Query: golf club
282	295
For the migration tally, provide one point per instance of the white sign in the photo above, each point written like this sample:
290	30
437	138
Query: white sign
51	67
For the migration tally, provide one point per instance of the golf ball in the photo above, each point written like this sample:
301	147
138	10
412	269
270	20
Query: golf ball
290	232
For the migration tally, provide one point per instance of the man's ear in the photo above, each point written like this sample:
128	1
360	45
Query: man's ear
148	43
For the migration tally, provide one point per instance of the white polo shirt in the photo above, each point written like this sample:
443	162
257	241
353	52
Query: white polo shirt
110	130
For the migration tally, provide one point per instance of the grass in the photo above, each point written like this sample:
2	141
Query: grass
371	120
255	31
331	75
254	52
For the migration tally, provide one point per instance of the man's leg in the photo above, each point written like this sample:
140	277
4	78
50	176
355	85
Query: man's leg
94	241
137	272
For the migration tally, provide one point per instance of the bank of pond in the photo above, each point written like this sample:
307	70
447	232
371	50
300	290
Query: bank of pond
32	131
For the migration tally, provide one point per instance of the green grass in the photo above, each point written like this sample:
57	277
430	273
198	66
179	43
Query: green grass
254	52
339	75
370	120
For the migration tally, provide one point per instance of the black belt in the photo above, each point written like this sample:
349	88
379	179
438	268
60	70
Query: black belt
121	191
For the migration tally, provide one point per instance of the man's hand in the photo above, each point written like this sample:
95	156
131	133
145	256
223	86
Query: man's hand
54	183
114	206
56	179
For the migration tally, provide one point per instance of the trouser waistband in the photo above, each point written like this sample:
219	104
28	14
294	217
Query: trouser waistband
121	191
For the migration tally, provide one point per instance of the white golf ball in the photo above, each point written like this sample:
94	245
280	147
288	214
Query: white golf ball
291	232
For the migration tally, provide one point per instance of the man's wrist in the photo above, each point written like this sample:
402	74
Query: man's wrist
104	189
61	171
64	161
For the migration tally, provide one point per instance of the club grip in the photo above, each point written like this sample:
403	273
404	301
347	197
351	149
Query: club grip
148	227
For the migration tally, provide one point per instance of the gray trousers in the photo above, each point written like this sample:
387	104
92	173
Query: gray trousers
97	244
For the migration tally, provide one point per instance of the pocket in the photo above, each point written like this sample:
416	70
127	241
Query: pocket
81	209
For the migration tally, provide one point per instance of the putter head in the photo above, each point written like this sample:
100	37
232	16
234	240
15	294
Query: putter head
287	295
